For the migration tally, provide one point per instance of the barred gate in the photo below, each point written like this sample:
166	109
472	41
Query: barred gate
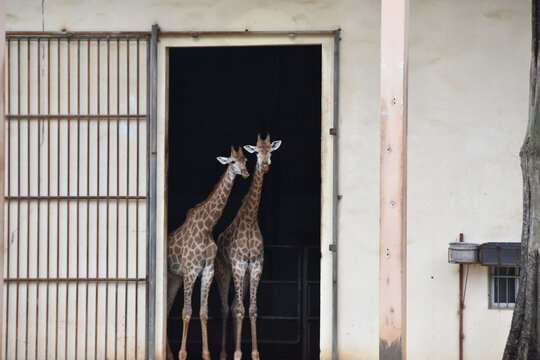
75	224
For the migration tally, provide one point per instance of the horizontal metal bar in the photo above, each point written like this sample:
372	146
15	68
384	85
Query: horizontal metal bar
279	282
277	342
277	317
259	317
77	34
73	198
74	116
193	33
283	247
71	280
259	341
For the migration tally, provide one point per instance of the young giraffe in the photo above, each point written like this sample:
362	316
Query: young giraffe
192	249
241	253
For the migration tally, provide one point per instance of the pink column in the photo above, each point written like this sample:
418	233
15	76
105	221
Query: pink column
393	177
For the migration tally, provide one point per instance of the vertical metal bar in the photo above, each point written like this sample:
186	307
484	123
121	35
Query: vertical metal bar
8	147
3	62
491	288
87	194
498	277
461	306
500	281
151	193
68	193
108	194
117	194
58	110
299	257
28	87
78	192
18	190
305	348
39	188
97	203
149	324
137	214
506	281
393	183
127	201
335	198
497	286
48	194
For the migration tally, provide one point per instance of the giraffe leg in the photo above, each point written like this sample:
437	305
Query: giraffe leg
235	305
255	276
189	280
234	322
223	279
206	281
239	272
173	284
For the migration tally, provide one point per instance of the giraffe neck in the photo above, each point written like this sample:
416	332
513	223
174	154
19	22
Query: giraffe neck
213	206
250	206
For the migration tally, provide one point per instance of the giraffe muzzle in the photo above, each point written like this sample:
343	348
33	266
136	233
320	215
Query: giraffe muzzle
245	174
265	168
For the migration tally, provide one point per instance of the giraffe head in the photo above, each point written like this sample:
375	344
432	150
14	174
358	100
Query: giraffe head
263	149
237	162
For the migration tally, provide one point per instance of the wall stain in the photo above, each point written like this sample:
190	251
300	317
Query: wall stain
433	60
299	17
501	14
390	352
42	15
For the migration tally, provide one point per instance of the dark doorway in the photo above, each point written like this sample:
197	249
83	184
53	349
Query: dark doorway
222	96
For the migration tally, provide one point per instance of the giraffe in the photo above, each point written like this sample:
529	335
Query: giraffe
192	249
241	253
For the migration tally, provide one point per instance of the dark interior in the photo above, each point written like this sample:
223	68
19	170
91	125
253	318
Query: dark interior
223	96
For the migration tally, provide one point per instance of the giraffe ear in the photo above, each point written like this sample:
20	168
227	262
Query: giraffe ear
222	159
250	148
276	144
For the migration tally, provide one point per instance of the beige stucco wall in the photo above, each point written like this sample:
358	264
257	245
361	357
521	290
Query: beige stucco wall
468	97
468	106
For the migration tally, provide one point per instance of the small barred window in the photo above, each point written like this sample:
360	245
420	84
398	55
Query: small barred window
503	286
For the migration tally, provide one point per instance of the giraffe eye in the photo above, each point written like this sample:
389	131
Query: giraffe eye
233	162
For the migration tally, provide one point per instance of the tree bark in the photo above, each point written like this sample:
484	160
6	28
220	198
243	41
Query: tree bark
523	339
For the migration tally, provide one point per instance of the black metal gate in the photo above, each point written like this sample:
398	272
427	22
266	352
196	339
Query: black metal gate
288	303
75	224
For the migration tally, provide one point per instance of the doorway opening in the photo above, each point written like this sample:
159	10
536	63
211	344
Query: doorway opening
222	96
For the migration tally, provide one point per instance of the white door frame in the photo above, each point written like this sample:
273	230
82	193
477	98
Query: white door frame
213	39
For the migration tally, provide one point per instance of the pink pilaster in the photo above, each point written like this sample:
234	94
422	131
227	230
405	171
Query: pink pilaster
393	178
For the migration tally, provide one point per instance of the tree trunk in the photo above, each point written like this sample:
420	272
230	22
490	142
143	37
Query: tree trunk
523	340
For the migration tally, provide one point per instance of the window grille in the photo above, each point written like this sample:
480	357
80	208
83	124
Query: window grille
75	249
503	286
